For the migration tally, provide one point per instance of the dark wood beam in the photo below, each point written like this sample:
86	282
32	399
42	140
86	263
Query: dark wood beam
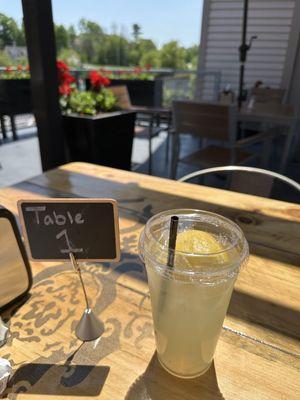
40	39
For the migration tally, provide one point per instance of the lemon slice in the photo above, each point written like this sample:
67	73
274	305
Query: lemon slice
202	243
197	242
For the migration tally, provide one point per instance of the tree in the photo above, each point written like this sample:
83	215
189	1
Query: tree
139	49
114	51
172	55
146	45
151	58
9	31
191	56
61	37
72	36
5	60
91	37
69	56
136	31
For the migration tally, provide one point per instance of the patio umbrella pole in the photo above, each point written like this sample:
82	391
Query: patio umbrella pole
243	53
243	49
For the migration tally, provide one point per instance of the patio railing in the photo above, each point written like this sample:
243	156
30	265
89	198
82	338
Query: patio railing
177	84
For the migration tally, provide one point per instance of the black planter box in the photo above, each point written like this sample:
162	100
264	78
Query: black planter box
142	92
104	139
15	96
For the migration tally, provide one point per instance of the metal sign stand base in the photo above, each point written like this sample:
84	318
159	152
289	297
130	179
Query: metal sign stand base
89	327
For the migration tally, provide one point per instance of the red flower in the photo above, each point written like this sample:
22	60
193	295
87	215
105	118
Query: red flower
148	67
98	80
65	89
65	77
95	79
61	66
105	81
8	69
138	70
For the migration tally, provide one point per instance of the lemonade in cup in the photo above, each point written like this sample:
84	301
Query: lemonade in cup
190	297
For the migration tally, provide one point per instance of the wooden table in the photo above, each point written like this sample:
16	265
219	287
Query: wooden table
258	354
273	114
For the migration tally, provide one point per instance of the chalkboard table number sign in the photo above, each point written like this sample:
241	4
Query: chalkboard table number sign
75	230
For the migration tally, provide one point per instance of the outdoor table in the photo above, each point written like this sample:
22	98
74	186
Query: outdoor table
258	354
273	114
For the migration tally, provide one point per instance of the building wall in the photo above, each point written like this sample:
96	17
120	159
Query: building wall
270	20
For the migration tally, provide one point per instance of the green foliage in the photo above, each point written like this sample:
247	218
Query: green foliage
15	73
172	56
105	100
92	45
69	56
72	36
5	60
191	56
150	58
114	50
88	102
9	31
82	103
88	41
62	37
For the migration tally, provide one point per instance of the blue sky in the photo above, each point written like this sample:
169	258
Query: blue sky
161	20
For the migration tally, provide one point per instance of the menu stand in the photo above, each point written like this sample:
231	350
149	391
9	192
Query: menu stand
89	327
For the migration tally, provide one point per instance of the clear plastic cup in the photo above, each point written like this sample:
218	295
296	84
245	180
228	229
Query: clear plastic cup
189	300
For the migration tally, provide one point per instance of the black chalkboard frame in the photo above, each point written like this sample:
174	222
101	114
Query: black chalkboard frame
72	200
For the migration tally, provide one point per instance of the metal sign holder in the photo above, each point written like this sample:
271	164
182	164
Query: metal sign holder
89	327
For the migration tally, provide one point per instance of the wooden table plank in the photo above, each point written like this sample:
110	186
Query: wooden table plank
258	356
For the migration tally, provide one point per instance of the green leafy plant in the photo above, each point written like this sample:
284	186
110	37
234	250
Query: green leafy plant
88	102
20	72
82	103
137	73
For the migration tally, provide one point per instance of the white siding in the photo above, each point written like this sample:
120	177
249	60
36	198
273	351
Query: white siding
270	20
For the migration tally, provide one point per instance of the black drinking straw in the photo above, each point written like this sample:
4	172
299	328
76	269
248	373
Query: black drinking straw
172	240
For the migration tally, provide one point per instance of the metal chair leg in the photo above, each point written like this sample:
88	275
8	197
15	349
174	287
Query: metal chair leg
175	155
287	147
13	127
150	147
167	147
266	152
3	128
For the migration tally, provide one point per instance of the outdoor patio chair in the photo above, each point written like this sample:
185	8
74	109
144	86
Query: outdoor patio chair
150	120
266	96
217	123
250	180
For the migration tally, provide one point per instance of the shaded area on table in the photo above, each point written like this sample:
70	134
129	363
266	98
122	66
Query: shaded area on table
59	380
157	384
265	313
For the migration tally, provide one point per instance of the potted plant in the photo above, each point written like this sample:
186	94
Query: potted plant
15	92
143	89
94	130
